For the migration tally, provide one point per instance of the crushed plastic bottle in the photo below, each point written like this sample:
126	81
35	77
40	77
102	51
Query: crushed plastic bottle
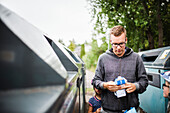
120	81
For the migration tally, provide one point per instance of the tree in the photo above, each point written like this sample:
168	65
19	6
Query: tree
91	57
61	41
72	45
145	20
82	53
103	47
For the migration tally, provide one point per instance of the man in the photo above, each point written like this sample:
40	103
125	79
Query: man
120	61
166	88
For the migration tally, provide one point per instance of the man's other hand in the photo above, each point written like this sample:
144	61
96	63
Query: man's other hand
130	87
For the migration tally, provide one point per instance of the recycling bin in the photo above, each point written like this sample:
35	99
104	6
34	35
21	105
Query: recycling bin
72	64
156	61
35	76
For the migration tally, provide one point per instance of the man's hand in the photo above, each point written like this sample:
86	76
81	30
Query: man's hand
111	86
130	87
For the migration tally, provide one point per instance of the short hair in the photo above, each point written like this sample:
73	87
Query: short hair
117	30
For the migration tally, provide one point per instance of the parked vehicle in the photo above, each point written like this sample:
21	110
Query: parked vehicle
38	75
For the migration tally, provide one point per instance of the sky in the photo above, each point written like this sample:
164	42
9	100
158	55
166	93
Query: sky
59	19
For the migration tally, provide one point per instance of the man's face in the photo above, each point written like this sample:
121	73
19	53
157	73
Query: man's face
166	89
118	44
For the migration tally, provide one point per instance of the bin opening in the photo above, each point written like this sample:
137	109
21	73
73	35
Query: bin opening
49	40
150	57
74	57
150	77
167	64
154	79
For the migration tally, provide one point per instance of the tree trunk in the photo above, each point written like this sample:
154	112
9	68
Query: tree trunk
150	38
160	26
148	31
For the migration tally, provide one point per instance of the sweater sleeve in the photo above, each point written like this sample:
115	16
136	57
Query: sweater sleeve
99	75
142	79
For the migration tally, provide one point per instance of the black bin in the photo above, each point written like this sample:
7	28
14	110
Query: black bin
76	77
36	76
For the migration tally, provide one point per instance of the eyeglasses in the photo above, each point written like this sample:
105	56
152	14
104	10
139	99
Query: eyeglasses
164	85
120	44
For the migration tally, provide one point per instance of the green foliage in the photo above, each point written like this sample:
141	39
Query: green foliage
91	57
103	46
72	45
61	41
82	53
139	17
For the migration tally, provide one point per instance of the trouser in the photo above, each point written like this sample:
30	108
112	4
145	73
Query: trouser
111	112
102	111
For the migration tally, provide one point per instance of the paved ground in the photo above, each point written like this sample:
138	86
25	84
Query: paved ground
89	87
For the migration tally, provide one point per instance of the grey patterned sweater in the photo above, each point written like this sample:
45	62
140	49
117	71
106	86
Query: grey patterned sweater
129	66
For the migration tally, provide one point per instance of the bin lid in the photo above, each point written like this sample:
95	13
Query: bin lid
66	59
69	59
31	61
32	76
157	58
32	37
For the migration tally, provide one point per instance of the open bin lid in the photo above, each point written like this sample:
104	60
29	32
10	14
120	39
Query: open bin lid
67	57
157	58
32	76
25	55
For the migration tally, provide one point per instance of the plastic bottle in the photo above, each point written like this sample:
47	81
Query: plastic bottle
120	81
